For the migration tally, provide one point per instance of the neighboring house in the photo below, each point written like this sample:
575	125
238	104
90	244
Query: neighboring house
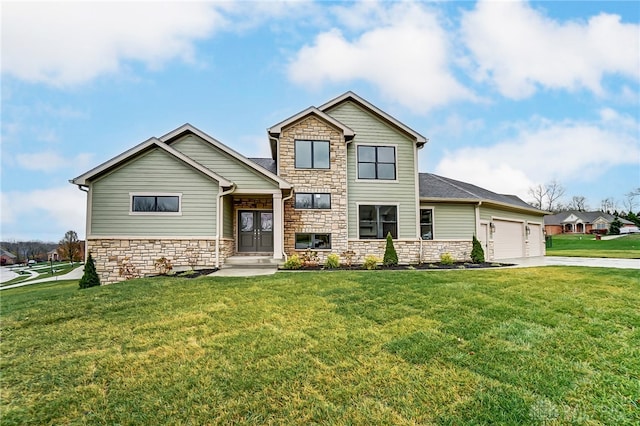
577	222
7	258
53	256
340	178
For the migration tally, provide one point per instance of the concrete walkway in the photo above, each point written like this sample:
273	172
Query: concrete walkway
595	262
75	274
245	271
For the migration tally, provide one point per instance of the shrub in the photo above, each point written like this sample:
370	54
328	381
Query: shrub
163	265
477	254
348	257
293	262
614	228
446	259
90	277
390	256
127	270
332	262
309	258
370	262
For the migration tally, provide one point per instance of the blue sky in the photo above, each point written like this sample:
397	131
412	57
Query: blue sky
510	94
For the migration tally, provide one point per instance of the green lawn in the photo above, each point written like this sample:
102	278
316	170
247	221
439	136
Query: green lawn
44	271
553	345
626	247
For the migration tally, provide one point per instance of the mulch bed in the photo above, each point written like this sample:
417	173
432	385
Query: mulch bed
196	273
421	266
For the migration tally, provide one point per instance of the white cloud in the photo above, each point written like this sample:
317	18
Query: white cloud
50	161
49	212
545	150
405	53
65	43
519	48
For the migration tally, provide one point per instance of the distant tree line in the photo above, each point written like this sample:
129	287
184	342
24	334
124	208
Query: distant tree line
549	197
29	250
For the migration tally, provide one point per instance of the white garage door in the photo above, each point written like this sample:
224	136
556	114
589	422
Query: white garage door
508	239
535	240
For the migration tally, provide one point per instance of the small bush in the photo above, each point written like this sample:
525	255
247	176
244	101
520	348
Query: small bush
370	262
309	258
332	262
446	259
390	256
477	253
127	269
348	257
163	265
90	277
293	262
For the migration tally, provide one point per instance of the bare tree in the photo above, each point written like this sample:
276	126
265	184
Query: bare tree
578	202
630	202
607	205
547	196
70	246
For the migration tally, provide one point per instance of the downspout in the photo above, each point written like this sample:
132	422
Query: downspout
85	188
287	198
219	220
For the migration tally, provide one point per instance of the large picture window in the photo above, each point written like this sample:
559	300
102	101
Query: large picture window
377	221
313	241
376	162
313	201
155	203
426	224
311	154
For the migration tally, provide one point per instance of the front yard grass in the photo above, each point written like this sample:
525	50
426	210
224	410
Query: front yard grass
553	345
625	247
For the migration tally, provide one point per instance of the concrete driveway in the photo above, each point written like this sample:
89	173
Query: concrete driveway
596	262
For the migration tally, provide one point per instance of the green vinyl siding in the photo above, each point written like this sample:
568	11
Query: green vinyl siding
370	130
453	221
227	220
153	172
222	163
487	213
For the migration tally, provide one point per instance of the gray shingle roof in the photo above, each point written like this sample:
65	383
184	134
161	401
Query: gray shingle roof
442	188
266	163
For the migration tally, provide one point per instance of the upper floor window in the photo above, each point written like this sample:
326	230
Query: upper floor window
313	201
426	224
377	221
376	162
152	203
311	154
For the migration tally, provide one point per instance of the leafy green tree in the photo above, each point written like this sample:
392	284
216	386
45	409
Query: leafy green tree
614	228
477	253
90	277
390	256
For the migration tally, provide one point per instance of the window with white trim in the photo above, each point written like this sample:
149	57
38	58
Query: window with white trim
311	154
426	224
313	241
376	221
305	200
376	162
155	204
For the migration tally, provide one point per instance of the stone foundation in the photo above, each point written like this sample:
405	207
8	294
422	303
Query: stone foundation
119	259
408	250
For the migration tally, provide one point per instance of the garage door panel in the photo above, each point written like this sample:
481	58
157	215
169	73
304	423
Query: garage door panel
508	239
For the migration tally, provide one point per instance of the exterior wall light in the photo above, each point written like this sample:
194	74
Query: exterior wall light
492	227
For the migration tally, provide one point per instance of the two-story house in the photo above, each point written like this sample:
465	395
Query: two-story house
340	178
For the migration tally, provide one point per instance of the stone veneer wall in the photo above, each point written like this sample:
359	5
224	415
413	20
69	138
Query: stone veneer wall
332	180
141	254
409	250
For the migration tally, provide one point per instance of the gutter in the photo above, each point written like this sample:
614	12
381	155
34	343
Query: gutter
219	220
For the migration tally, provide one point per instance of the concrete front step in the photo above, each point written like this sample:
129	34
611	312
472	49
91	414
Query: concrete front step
254	261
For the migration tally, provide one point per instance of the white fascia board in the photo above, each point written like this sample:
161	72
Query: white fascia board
346	130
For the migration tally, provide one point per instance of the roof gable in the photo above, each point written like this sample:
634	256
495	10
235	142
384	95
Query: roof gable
350	96
152	143
188	128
